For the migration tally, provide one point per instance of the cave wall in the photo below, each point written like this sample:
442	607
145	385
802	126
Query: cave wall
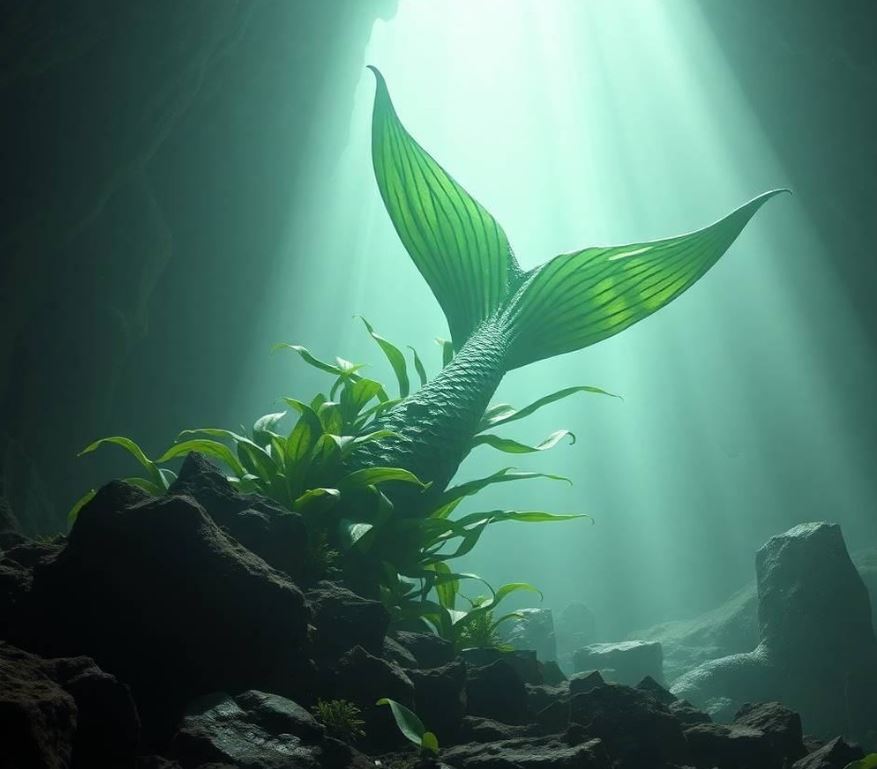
150	155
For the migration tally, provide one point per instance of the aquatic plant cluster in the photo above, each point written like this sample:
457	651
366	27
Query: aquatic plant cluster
351	523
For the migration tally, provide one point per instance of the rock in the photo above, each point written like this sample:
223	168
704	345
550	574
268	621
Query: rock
541	696
496	691
523	661
10	531
363	679
635	728
39	717
729	747
343	620
255	730
551	673
277	536
835	754
163	599
781	727
808	588
428	649
574	628
393	651
440	699
687	714
477	729
15	581
531	753
533	630
554	717
651	686
584	682
728	629
625	662
64	712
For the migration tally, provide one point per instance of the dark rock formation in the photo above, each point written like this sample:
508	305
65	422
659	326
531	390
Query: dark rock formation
59	713
835	754
429	650
163	599
534	753
277	536
255	730
635	728
343	620
440	699
496	691
808	589
624	662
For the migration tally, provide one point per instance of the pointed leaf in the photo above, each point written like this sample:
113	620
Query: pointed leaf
394	356
510	446
502	413
418	366
407	721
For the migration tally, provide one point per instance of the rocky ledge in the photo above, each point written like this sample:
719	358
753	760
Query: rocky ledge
173	633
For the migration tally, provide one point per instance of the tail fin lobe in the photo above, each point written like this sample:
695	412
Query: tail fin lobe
577	299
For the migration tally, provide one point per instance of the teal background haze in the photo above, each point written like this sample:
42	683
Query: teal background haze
748	403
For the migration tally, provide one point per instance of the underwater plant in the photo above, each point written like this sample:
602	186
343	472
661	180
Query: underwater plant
368	473
341	719
412	727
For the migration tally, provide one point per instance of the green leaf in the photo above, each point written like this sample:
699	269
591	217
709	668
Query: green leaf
394	356
429	743
132	448
504	591
78	505
510	446
502	413
447	350
418	366
367	476
148	486
315	498
263	428
352	531
407	721
505	475
868	762
205	446
311	359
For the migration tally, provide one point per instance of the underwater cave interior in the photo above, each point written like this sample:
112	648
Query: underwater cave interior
207	201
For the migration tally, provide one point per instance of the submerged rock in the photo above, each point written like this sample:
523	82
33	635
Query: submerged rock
64	712
162	598
496	691
440	699
528	753
277	536
255	730
635	728
343	620
624	662
835	754
808	589
533	630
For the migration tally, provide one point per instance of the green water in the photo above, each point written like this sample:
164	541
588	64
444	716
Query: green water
582	124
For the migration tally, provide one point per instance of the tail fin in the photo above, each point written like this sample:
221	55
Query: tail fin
571	301
459	248
575	300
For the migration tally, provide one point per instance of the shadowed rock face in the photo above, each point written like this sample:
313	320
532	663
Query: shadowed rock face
153	153
817	650
162	598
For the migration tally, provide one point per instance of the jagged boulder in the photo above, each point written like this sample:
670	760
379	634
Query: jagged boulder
65	712
342	619
279	537
256	730
808	589
528	753
162	598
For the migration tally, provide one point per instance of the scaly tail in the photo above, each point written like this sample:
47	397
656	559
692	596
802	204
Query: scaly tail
570	302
